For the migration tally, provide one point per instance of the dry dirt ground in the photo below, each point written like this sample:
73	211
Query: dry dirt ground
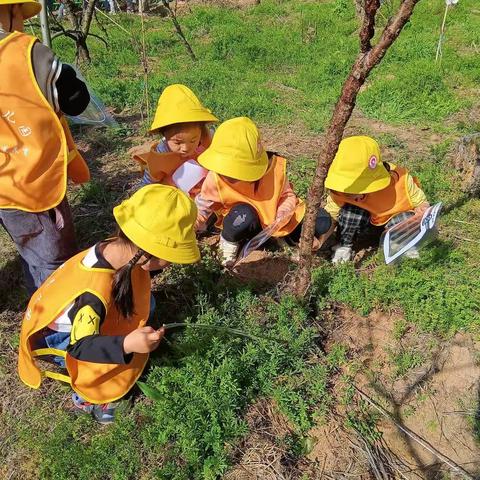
437	401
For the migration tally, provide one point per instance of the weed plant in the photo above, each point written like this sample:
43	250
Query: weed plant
202	384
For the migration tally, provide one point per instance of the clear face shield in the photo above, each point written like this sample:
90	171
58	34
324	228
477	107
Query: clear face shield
95	113
412	232
258	240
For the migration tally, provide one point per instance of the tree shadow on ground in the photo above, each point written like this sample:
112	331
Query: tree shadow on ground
13	295
399	400
114	176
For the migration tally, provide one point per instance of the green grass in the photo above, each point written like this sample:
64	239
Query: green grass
204	384
284	62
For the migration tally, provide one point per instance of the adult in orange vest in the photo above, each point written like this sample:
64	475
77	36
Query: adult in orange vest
248	189
90	315
364	190
37	151
183	123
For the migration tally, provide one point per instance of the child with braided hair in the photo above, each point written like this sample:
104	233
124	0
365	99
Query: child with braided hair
89	317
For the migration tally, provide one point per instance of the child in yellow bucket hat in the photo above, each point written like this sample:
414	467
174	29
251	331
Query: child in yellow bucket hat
182	121
248	189
364	190
90	316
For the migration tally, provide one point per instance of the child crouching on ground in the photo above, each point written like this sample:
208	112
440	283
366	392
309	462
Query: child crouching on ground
89	317
248	189
364	190
182	121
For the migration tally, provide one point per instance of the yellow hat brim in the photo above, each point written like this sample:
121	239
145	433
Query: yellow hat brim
222	164
161	121
360	185
30	9
177	252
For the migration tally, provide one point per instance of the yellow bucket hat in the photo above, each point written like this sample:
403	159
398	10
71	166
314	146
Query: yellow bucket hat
178	104
30	8
357	167
160	220
236	151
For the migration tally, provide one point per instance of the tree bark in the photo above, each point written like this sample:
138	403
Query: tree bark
366	60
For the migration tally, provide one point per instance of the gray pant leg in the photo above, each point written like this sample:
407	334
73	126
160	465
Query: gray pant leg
44	240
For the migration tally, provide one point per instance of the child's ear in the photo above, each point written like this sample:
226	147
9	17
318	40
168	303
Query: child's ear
205	137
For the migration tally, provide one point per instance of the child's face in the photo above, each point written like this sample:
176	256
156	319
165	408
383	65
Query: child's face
183	139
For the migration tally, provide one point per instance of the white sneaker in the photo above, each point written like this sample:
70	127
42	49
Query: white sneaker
342	254
229	251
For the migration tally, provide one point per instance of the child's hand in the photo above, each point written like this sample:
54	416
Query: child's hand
142	340
420	210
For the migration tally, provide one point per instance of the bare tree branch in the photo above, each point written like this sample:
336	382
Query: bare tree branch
178	29
364	63
98	37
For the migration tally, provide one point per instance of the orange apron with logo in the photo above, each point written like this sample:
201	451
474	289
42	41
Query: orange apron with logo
95	382
263	195
384	204
36	146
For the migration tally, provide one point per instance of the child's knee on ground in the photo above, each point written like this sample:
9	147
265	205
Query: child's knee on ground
241	223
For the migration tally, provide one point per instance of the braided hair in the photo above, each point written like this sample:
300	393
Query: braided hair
122	289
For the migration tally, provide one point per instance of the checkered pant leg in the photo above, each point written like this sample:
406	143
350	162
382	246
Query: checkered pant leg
399	218
351	220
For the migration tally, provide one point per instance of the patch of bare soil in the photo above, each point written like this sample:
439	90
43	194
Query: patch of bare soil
263	267
438	398
295	142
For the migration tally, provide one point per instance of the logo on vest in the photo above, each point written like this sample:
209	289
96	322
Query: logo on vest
373	162
24	131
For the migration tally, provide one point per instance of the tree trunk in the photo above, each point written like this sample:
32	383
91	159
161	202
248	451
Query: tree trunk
367	58
82	54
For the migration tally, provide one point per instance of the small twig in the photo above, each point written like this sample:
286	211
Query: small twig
114	22
466	223
98	37
217	328
465	239
179	30
454	466
442	34
144	61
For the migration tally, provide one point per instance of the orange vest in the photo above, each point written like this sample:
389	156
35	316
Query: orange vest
95	382
35	144
162	165
263	195
386	203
